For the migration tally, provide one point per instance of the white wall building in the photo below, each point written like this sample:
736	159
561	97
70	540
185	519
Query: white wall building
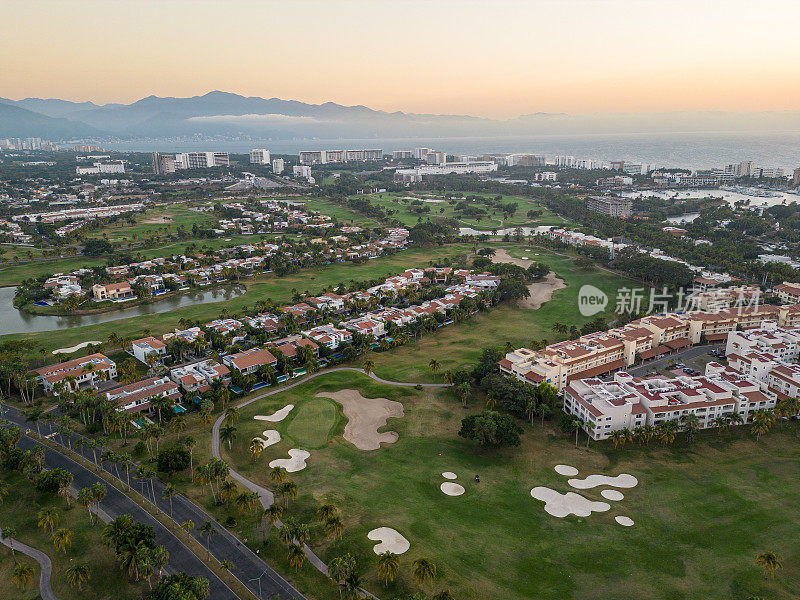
259	157
277	166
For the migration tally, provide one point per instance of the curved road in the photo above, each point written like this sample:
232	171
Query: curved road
265	496
45	591
248	567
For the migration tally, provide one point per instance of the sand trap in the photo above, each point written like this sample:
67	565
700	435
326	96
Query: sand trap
624	521
390	541
612	495
271	437
277	416
540	291
295	462
364	417
449	475
156	220
452	489
561	505
566	470
75	348
622	481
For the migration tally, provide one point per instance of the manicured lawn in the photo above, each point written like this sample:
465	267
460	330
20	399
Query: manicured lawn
312	422
334	210
20	508
158	222
701	512
439	206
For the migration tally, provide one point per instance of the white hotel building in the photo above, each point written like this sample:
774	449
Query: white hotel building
259	157
453	168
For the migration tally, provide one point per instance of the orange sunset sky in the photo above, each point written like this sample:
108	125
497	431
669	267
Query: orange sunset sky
495	59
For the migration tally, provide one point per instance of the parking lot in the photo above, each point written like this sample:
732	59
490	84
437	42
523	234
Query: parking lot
693	359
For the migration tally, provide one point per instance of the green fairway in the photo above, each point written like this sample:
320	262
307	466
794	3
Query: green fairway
311	423
402	206
157	222
337	211
20	509
701	512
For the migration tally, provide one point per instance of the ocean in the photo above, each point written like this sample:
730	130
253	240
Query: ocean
688	150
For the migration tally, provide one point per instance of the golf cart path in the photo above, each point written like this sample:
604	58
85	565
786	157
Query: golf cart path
45	591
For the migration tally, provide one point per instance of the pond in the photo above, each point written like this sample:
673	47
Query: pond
14	321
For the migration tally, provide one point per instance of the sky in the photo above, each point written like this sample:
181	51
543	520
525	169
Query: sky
494	58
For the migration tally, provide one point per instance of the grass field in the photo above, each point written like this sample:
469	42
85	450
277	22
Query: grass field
156	222
459	345
401	203
20	509
344	214
701	512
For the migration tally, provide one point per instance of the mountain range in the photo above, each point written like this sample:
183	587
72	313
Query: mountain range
226	114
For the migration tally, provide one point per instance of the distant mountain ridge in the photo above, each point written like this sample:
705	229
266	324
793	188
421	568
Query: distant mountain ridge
224	113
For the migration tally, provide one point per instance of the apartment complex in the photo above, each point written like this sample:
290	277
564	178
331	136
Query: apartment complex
163	164
628	402
322	157
278	165
610	205
789	293
259	157
647	338
201	160
458	168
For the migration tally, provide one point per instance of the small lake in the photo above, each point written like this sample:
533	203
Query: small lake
14	321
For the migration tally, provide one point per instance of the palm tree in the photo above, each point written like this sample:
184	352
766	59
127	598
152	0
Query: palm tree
327	511
79	574
388	566
770	562
232	415
228	434
273	515
666	432
159	557
207	529
226	566
62	540
352	585
187	526
576	425
255	449
763	420
334	528
22	576
9	533
48	519
690	423
444	595
246	502
423	571
434	365
287	490
721	423
169	493
368	366
617	437
190	444
278	475
296	556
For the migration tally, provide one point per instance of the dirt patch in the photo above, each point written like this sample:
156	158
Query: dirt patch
540	291
364	417
157	221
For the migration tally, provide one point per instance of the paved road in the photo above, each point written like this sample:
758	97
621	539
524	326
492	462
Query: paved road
265	496
45	591
682	356
248	567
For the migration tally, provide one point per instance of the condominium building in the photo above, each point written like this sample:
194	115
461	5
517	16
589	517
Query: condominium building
457	168
401	154
610	205
163	164
278	166
301	171
201	160
321	157
259	157
627	402
769	338
114	166
789	293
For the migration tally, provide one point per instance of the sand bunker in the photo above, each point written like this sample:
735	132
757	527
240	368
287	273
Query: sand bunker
540	291
561	505
75	348
364	417
622	481
157	220
277	416
566	470
390	541
295	462
449	475
612	495
271	437
452	489
624	521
